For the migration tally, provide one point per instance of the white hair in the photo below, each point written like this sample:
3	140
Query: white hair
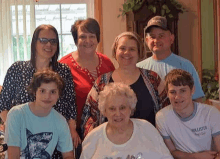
116	90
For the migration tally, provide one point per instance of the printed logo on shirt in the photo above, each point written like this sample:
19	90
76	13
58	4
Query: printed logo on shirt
36	145
138	156
199	131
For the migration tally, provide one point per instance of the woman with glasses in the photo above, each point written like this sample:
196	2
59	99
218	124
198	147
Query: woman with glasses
44	54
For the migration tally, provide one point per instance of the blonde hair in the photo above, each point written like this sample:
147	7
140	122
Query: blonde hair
133	36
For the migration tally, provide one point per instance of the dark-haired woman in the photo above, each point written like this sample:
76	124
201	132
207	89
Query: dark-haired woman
44	54
85	63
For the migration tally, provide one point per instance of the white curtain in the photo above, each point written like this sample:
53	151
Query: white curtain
6	31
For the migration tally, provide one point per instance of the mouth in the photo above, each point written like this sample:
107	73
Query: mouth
46	101
178	102
48	50
118	120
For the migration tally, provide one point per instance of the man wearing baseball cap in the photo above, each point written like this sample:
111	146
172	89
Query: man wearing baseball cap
159	39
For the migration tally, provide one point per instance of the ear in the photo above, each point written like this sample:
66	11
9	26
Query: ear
172	37
146	39
193	90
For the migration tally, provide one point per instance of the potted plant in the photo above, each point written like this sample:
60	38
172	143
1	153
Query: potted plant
166	8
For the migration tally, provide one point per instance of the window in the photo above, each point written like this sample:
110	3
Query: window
59	13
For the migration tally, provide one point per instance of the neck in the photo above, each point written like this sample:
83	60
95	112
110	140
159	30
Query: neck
42	63
128	70
120	130
186	112
37	110
161	55
81	56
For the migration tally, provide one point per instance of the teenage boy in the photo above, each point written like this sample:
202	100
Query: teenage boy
188	128
35	129
159	39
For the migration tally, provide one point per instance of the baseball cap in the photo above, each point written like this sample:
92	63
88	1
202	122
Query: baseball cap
156	21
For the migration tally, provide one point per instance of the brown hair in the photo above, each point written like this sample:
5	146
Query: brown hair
89	25
133	36
178	77
53	62
45	76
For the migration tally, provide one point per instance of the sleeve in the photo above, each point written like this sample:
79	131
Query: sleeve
160	146
214	121
66	104
65	141
91	113
9	88
198	88
161	125
13	126
89	146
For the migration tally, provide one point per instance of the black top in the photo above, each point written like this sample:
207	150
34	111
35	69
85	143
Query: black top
145	104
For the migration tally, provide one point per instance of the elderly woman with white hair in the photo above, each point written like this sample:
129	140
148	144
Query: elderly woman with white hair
122	137
127	49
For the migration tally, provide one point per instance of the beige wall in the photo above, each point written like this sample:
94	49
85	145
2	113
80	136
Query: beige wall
112	26
188	31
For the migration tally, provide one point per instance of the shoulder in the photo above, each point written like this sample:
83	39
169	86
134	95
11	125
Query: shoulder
143	125
20	65
17	110
103	56
95	134
63	69
207	108
65	58
164	113
182	60
149	72
58	117
144	63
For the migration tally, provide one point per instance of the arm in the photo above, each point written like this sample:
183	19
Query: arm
13	152
199	100
3	115
68	155
183	155
75	137
216	140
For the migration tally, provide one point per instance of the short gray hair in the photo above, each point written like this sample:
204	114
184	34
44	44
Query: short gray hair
117	89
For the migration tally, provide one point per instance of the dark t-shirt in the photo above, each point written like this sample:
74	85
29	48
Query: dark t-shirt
145	104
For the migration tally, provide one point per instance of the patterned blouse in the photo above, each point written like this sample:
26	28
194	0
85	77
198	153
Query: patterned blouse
91	116
17	79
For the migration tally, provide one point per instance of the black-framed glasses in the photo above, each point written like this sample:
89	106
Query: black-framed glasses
45	41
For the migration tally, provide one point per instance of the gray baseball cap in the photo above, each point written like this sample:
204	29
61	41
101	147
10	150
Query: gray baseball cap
156	21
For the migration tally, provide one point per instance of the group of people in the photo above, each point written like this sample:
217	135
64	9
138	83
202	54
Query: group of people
145	108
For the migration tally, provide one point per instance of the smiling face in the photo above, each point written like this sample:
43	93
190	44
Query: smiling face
46	96
159	40
127	52
118	111
87	42
46	51
180	98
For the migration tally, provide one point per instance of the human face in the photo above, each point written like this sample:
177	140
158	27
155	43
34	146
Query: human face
159	40
46	96
180	98
127	52
118	111
87	42
46	51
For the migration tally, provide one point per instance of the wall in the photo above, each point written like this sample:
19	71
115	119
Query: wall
207	34
188	32
112	26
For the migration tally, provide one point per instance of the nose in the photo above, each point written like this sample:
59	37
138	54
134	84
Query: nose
48	43
117	112
177	96
47	96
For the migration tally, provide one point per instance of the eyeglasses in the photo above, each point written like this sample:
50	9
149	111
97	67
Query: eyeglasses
45	41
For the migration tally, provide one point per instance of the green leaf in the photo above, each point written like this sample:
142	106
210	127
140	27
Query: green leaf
120	10
118	16
154	9
170	16
162	12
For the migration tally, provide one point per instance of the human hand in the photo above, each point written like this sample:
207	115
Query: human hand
205	155
75	137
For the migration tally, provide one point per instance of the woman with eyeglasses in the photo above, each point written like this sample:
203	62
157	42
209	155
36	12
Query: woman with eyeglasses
44	54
